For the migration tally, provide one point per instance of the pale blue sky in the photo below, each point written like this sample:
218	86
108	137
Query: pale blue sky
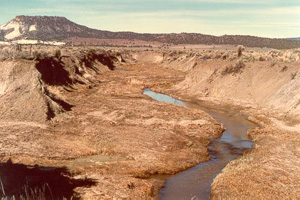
269	18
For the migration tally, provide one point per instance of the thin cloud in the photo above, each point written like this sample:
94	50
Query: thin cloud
270	18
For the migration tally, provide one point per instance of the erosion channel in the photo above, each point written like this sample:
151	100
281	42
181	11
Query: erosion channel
195	183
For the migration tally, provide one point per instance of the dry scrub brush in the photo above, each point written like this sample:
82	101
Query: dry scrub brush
234	69
240	50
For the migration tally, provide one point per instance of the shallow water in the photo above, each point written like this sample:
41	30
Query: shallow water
195	183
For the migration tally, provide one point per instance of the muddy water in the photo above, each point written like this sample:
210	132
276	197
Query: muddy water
195	183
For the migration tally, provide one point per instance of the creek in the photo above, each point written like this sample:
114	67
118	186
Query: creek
195	183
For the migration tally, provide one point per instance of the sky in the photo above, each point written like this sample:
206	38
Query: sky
266	18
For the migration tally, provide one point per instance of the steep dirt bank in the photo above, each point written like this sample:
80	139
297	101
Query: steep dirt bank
265	89
266	81
134	135
29	89
262	85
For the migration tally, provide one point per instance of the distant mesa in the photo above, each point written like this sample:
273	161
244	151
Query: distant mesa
53	28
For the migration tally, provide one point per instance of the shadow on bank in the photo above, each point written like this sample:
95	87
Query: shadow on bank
18	181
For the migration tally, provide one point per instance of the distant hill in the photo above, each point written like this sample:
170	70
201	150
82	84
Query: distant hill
60	28
294	38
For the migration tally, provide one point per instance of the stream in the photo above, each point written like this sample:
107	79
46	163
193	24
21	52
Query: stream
195	183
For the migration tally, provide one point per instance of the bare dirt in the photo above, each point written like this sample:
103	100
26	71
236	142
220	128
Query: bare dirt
131	135
265	90
115	136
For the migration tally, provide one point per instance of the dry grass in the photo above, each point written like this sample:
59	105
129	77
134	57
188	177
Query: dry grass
37	68
37	193
111	118
234	69
264	82
270	171
240	50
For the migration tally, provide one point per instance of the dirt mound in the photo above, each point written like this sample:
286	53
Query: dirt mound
29	89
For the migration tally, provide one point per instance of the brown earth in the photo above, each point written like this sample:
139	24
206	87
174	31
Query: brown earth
265	89
134	137
270	171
